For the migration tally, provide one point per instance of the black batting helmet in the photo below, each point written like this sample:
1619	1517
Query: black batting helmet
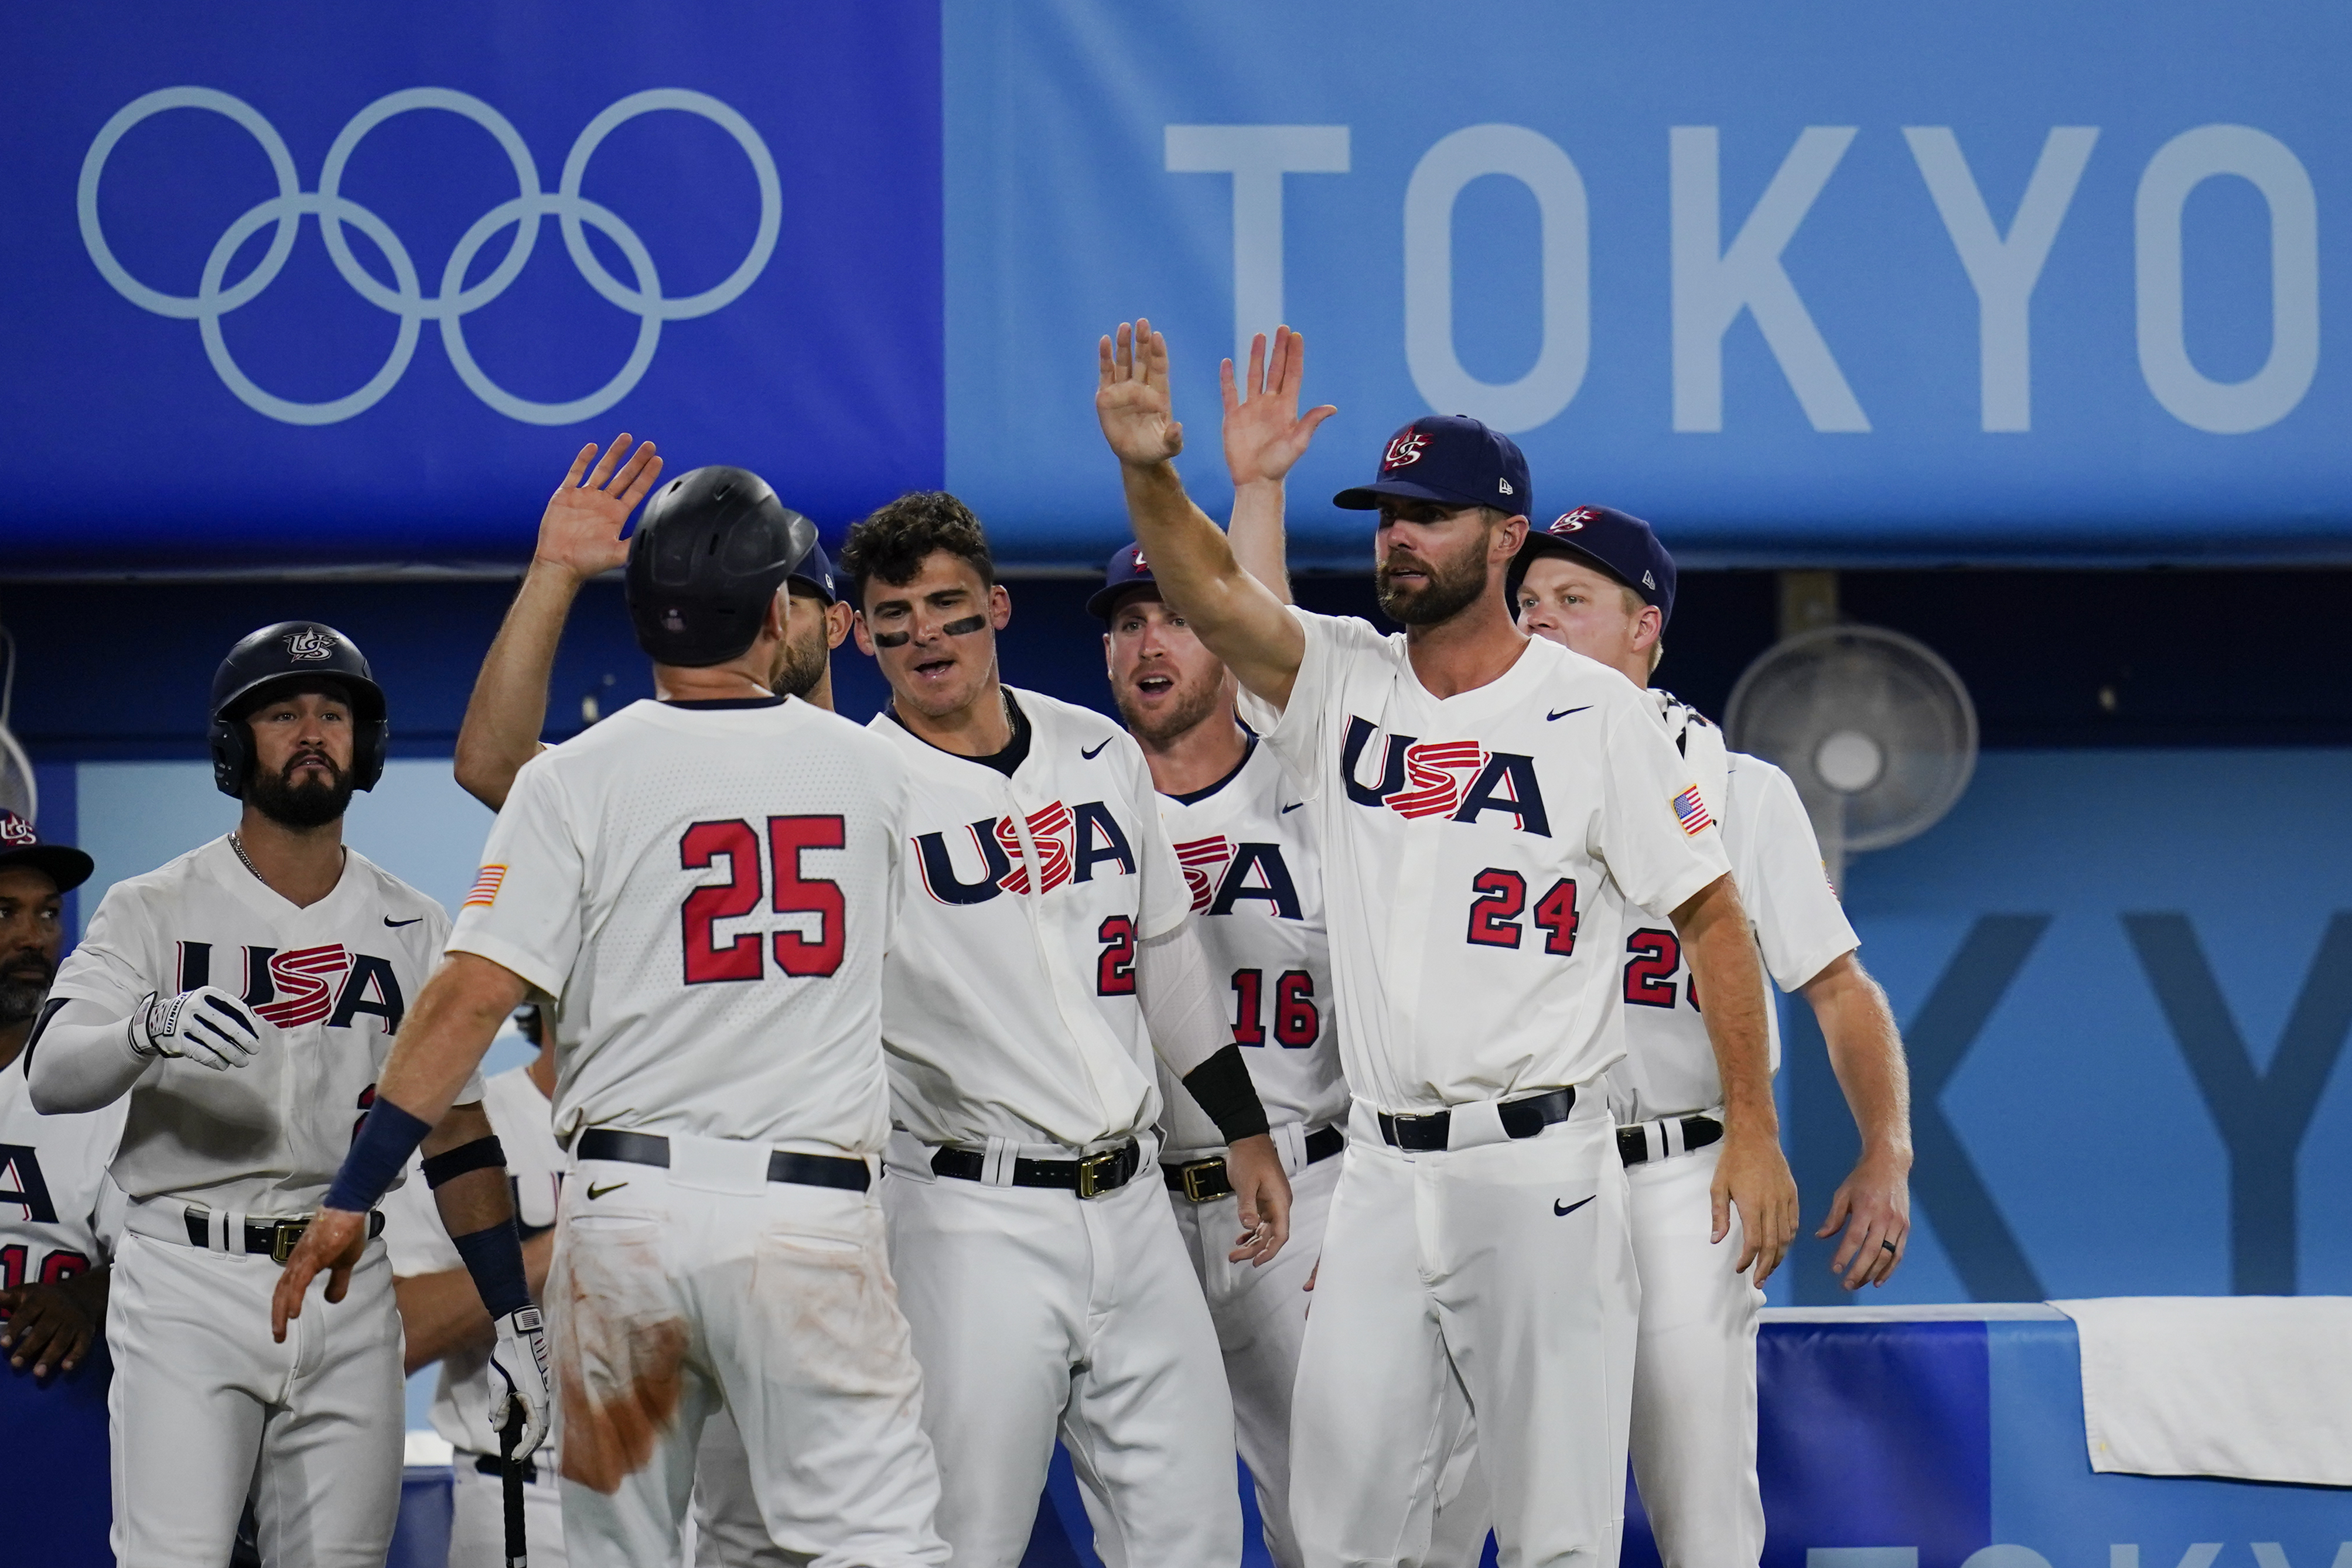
271	658
713	547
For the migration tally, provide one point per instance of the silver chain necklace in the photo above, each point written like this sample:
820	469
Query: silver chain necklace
239	845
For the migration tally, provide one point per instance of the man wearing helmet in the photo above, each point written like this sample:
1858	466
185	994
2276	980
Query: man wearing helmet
243	996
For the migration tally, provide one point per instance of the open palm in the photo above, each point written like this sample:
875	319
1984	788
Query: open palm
580	529
1263	432
1138	418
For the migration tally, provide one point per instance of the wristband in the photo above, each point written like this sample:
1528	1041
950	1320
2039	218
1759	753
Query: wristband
493	1256
380	1151
480	1155
1222	1085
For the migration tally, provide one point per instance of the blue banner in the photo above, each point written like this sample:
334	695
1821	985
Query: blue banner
291	285
1834	282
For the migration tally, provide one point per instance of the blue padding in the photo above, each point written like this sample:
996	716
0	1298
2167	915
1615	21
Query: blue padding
57	1454
1873	1435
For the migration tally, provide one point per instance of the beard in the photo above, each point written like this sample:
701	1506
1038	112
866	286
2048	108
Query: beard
300	806
1452	586
24	986
802	665
1193	705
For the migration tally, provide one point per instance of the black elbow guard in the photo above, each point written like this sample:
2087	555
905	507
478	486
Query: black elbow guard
480	1155
1222	1085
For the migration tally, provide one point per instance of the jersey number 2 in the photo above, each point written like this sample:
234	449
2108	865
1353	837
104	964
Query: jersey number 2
745	957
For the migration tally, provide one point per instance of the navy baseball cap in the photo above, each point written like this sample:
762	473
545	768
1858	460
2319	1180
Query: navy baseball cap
816	570
19	845
1452	459
1126	568
1620	544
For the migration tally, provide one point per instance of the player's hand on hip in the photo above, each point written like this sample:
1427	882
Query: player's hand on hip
1262	1193
207	1026
333	1242
1753	1176
47	1330
519	1380
580	532
1263	432
1132	401
1873	1206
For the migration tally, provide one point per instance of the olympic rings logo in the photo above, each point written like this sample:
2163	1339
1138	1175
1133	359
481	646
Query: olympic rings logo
574	214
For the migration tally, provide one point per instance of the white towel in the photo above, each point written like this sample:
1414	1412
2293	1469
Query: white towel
2251	1387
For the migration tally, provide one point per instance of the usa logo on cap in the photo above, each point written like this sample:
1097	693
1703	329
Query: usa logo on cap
1571	522
1404	451
14	829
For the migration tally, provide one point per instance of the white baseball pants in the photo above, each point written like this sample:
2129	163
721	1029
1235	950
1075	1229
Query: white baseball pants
1694	1424
673	1288
477	1518
727	1529
1036	1311
1260	1315
206	1408
1499	1275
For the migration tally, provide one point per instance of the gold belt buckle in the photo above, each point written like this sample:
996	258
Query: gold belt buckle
1196	1178
284	1237
1092	1168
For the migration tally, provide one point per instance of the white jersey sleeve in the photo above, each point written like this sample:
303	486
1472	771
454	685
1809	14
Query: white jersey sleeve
1294	729
1800	925
1657	835
59	1214
524	912
1166	900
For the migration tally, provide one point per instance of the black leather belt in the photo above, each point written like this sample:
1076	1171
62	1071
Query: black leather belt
652	1149
1201	1180
1521	1119
491	1465
277	1238
1698	1132
1088	1178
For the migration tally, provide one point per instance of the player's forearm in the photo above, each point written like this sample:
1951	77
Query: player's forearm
508	710
1724	966
1190	1032
1865	1051
461	1011
1256	534
440	1315
1234	614
81	1059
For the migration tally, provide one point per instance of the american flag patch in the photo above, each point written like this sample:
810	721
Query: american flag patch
486	887
1687	805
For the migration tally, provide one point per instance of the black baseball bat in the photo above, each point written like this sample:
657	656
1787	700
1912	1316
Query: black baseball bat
510	1479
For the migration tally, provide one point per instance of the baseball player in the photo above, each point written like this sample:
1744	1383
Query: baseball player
703	884
1598	581
1252	860
1046	951
244	998
579	538
1491	809
59	1221
443	1320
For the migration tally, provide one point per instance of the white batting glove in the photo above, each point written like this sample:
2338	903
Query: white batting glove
206	1026
519	1358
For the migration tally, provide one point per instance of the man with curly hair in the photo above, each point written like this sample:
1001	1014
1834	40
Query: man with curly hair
1045	950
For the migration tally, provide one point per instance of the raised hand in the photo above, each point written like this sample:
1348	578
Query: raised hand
1264	432
1138	418
580	532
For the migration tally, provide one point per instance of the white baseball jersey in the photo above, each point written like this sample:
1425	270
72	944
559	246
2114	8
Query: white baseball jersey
1250	857
1010	1008
59	1214
419	1243
1669	1066
331	983
1480	853
704	889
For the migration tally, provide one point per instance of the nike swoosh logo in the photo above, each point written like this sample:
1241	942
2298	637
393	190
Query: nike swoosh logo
1090	756
1564	712
397	925
1292	806
1556	1208
596	1192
